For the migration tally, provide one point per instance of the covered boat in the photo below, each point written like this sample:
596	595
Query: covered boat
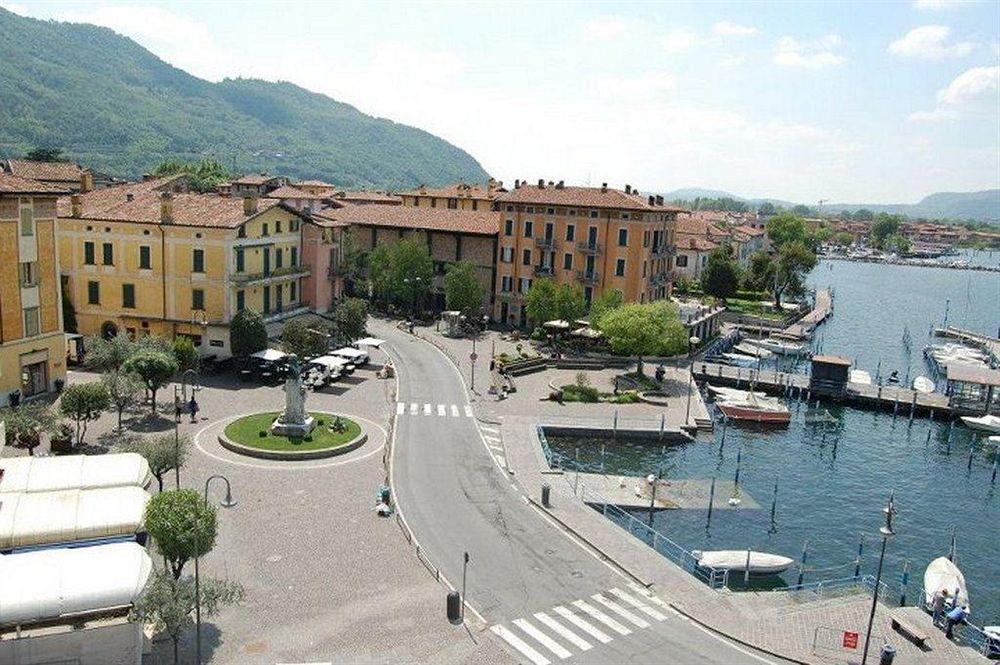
739	360
751	350
985	423
51	474
756	410
943	575
922	384
778	346
760	563
50	584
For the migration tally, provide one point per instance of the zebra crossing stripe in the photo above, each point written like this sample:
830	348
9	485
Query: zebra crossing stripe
519	644
454	411
542	638
602	617
642	607
441	411
468	410
427	409
642	591
581	624
400	408
490	430
563	631
413	408
621	611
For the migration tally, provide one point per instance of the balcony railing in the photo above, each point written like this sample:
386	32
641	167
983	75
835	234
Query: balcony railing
545	243
589	247
664	251
277	273
544	271
588	276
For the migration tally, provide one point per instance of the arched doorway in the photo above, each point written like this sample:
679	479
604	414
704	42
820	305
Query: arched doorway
108	330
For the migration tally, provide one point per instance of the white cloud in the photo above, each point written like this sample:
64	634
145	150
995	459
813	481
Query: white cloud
606	28
643	84
930	42
679	40
20	10
816	54
974	91
935	5
730	29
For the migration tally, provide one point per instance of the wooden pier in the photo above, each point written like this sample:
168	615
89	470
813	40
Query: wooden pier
990	345
803	328
897	399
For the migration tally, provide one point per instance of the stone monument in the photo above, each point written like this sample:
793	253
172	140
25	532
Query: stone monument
294	421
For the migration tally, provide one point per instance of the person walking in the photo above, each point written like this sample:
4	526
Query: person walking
177	408
193	407
956	616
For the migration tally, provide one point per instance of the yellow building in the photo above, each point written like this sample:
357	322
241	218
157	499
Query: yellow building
460	196
32	344
597	237
152	258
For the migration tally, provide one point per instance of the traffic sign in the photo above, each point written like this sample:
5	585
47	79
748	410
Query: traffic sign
850	639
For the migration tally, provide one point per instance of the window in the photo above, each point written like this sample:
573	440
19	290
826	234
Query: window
644	267
570	232
291	292
620	268
240	260
144	257
475	204
108	256
93	293
241	301
593	214
29	273
434	203
550	211
452	204
277	226
293	225
622	237
525	285
529	229
88	253
241	232
264	229
505	284
526	257
294	261
31	324
567	261
529	209
198	299
682	261
548	231
198	260
128	296
507	254
510	208
508	227
279	257
27	222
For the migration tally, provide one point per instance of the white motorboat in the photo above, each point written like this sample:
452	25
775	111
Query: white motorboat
861	376
922	384
751	350
778	346
943	575
760	563
985	423
740	360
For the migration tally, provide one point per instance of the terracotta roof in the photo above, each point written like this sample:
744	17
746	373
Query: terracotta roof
479	222
10	184
313	183
253	179
696	243
688	225
290	192
749	230
582	197
49	171
458	190
367	195
327	218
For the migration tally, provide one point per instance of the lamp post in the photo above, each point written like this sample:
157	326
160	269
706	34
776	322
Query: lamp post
692	342
227	502
887	533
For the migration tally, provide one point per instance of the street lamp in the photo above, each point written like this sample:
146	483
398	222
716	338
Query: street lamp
227	502
887	533
692	342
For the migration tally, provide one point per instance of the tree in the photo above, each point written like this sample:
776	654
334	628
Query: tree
123	390
68	312
182	525
608	300
794	263
759	275
203	176
462	289
298	338
247	334
864	215
185	354
721	276
167	603
644	329
570	304
898	244
844	239
883	226
351	318
162	453
540	301
766	208
45	154
801	210
155	368
108	354
25	424
402	274
784	228
82	403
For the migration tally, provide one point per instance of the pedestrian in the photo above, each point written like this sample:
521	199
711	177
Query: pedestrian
958	615
938	603
193	407
177	408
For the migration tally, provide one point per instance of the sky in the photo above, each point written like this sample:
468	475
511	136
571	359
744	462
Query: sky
875	102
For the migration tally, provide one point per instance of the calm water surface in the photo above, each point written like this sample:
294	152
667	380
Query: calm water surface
835	466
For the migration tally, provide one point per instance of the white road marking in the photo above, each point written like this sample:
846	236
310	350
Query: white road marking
468	410
427	409
491	430
400	408
621	611
454	411
602	617
581	624
413	408
642	607
520	645
563	631
441	410
543	639
645	593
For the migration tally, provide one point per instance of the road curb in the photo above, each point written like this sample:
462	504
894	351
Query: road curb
679	609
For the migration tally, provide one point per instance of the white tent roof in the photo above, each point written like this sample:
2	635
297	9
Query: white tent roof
370	341
48	584
349	352
557	324
46	518
269	354
330	361
49	474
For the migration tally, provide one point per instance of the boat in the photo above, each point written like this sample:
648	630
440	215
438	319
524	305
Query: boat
943	575
761	563
723	394
985	423
739	360
751	350
861	376
778	346
922	384
756	410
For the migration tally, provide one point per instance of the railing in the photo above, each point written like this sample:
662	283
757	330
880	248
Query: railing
545	243
664	251
544	271
244	277
589	247
967	634
587	277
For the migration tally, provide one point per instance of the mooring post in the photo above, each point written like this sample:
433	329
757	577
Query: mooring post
736	478
722	443
913	405
774	502
802	563
928	438
895	405
932	415
972	449
663	423
996	456
857	560
746	571
904	582
602	458
953	550
614	433
711	501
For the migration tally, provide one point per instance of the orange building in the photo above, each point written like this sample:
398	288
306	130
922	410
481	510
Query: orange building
460	196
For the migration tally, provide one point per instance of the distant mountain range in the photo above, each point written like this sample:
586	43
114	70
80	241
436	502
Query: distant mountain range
112	105
981	206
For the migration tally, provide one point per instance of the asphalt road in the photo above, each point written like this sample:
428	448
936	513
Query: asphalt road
455	499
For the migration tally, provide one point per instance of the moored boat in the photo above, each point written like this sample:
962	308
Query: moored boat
760	563
861	376
739	360
756	410
778	346
922	384
751	350
943	575
985	423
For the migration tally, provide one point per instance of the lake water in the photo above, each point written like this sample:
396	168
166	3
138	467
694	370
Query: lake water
835	466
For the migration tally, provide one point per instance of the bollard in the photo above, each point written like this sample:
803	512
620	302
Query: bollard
736	478
615	432
888	655
774	504
903	584
663	423
546	492
928	437
602	458
454	606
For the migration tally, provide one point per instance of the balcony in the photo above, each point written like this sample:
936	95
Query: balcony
589	247
544	271
589	277
244	278
664	251
545	243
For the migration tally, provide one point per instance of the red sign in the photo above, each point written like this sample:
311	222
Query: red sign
850	640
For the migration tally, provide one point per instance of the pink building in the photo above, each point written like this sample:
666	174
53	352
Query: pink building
323	252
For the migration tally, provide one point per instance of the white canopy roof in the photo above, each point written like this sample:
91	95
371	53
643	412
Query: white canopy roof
269	354
370	341
46	518
349	352
49	474
330	361
48	584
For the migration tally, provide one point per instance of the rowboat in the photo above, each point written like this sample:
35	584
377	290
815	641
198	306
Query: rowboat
751	350
943	575
760	563
755	410
922	384
985	423
861	376
733	394
778	346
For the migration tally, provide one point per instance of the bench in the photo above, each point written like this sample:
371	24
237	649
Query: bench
908	630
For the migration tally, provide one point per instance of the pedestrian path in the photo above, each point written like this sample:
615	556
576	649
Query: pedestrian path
430	409
583	624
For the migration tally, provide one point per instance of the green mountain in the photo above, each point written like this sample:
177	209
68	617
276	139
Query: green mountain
112	105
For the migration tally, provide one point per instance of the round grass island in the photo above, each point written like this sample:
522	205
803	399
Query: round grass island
251	435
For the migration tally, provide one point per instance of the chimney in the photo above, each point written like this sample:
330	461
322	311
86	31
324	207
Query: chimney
76	207
129	196
166	207
652	200
560	185
86	181
659	200
628	189
517	184
604	188
541	183
249	205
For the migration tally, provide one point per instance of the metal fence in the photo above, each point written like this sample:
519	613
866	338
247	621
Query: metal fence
967	634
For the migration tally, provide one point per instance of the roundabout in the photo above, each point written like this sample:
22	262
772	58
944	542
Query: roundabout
252	435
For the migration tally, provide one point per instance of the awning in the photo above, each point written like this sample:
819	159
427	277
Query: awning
587	332
270	355
557	324
371	341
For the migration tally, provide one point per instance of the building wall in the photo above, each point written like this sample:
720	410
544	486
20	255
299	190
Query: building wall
322	286
455	203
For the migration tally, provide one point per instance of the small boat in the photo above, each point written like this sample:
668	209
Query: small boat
739	360
985	423
733	394
861	376
922	384
761	563
751	350
943	575
778	346
755	410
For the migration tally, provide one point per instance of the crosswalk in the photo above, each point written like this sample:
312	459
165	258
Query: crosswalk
582	624
494	441
429	409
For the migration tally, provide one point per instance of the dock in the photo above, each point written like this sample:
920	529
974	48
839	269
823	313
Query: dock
804	327
991	345
635	492
883	398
